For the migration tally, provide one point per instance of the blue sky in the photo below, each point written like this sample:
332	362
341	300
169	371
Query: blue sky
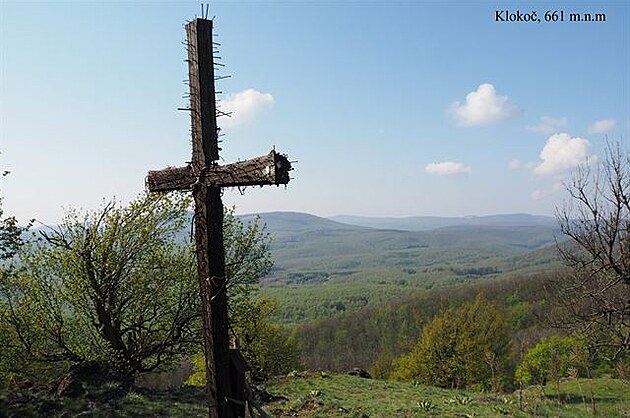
390	108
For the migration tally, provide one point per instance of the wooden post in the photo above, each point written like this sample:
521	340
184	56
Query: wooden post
205	178
208	216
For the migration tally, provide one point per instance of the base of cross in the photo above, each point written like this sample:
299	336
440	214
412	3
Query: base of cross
270	169
238	367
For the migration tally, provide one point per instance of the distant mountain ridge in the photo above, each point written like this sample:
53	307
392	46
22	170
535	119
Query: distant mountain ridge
427	223
516	230
323	267
304	242
284	224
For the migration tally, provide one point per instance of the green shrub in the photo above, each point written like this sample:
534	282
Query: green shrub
463	347
551	359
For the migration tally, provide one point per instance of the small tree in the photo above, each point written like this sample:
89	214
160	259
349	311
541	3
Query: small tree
10	234
113	285
268	350
456	346
247	259
551	359
594	295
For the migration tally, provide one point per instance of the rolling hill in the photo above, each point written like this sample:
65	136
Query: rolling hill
323	266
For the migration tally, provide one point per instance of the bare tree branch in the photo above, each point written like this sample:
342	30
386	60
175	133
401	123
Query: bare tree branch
595	293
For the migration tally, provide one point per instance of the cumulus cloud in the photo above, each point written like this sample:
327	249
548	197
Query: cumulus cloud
483	107
244	106
446	168
562	152
601	126
548	125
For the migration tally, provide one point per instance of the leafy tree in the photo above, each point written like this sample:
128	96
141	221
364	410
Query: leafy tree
383	365
551	359
594	295
119	285
10	233
463	347
247	260
268	350
265	346
112	285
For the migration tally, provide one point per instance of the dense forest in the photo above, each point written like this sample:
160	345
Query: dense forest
359	338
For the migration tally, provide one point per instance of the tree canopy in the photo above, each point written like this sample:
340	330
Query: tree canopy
461	347
551	359
112	285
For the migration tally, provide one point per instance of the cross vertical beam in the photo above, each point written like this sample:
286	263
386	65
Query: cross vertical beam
202	94
205	178
208	217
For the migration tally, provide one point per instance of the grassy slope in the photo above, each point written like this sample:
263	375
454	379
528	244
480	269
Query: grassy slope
311	395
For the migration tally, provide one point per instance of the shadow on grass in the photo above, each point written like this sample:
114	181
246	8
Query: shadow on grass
185	394
573	399
100	401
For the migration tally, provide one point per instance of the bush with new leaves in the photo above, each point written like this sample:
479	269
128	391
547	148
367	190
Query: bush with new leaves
119	285
461	347
551	359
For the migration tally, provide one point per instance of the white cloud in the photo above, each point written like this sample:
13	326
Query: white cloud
244	106
548	125
483	107
446	168
562	152
537	195
557	187
601	126
515	164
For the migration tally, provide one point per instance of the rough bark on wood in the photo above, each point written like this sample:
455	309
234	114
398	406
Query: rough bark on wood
208	216
270	169
205	179
201	84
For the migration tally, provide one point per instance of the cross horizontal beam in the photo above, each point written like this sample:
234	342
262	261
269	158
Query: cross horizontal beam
270	169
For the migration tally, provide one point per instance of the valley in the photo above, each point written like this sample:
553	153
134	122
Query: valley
323	267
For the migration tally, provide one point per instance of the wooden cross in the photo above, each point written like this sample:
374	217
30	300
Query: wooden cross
205	178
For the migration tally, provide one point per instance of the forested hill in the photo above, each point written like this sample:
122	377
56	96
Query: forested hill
305	236
324	267
295	221
287	224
